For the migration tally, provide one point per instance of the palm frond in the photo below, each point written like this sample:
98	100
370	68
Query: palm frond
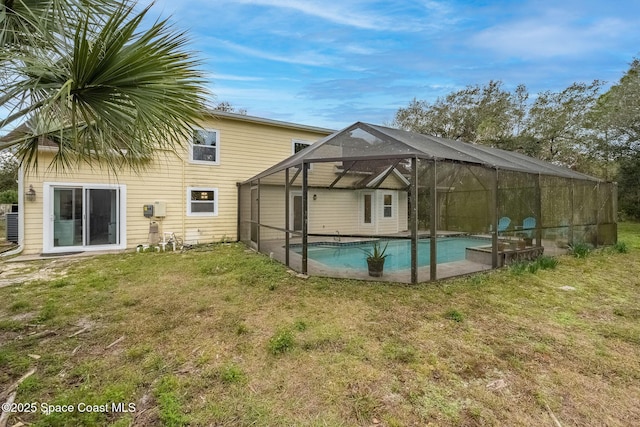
115	94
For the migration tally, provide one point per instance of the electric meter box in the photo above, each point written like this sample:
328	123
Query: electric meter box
147	210
156	210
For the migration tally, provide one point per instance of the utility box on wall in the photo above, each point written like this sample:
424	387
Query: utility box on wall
147	211
155	210
159	209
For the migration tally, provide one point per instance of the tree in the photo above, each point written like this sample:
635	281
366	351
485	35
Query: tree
616	116
486	115
228	108
8	171
629	185
88	77
557	122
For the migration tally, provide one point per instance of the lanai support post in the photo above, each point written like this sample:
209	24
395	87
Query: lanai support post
238	212
598	216
258	217
572	205
614	207
538	211
305	217
495	207
434	223
413	220
287	189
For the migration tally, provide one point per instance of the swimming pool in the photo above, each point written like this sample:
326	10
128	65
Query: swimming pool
353	256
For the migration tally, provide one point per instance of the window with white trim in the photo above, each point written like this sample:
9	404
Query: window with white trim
367	199
202	201
205	147
299	145
388	206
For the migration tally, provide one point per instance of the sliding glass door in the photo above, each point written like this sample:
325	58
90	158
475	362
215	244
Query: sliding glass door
67	222
83	217
102	217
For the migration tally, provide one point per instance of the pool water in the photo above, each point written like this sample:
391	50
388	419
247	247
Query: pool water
353	256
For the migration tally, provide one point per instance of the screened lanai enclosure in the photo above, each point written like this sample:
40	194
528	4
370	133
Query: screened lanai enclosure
439	208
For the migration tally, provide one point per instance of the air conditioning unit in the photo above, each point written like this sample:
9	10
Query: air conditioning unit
12	227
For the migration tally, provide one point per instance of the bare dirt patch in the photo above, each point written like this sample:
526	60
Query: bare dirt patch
15	273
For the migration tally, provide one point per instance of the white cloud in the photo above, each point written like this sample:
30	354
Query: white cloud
546	38
236	78
310	58
333	12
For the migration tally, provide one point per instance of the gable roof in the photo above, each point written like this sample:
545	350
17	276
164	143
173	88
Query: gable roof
364	141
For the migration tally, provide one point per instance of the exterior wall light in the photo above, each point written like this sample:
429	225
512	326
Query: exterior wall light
30	195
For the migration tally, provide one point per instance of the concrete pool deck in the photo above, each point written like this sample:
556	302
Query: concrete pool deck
276	250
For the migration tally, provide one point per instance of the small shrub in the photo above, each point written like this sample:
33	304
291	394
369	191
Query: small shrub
242	329
532	267
9	197
620	247
580	250
454	315
541	263
281	342
518	267
547	262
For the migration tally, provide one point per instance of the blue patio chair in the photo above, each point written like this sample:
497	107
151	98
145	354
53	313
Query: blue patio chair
528	226
503	224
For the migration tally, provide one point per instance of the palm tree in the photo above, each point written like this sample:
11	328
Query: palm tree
95	79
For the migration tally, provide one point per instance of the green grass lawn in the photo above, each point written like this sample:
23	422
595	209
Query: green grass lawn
228	337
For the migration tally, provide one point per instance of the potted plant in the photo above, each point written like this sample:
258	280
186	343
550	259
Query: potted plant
375	259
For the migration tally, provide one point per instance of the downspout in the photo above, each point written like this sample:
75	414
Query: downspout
184	200
20	247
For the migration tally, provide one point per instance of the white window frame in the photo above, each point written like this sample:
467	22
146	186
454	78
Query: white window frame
391	206
47	223
215	201
372	207
217	149
295	141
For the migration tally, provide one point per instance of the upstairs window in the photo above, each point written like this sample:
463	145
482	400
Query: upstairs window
299	145
205	147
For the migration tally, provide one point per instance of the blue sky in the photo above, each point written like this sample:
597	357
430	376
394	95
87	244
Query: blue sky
331	63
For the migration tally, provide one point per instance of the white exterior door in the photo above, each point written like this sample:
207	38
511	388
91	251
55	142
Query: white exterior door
83	217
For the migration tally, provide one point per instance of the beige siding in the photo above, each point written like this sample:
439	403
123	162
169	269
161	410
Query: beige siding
246	149
333	212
